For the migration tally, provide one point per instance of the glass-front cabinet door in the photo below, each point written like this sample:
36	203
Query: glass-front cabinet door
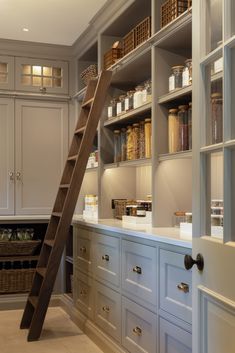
43	76
6	72
214	176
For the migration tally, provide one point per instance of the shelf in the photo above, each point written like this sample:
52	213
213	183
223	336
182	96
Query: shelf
177	155
134	163
176	94
129	115
212	148
19	258
230	143
69	259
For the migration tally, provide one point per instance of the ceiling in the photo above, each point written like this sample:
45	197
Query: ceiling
48	21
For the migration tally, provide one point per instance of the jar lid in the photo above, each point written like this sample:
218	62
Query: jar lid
178	67
130	92
188	61
139	88
183	107
117	131
216	95
173	111
136	125
122	96
148	120
113	100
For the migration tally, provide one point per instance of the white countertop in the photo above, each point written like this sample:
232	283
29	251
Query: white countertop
164	235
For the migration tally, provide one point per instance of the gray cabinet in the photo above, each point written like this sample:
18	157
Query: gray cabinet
6	72
83	258
84	294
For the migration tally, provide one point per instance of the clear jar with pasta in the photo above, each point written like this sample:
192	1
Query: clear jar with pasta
136	140
148	134
173	130
142	140
123	144
183	127
129	144
117	146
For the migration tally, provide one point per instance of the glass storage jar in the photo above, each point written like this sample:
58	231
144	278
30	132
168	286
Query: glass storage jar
147	135
122	100
187	73
112	108
173	130
123	144
138	97
183	127
175	80
147	92
136	140
129	143
216	118
117	146
190	126
129	100
142	140
119	106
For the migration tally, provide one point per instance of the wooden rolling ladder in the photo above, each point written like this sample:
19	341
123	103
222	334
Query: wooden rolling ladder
61	217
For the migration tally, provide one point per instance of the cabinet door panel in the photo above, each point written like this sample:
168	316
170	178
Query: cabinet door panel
6	72
41	151
6	156
84	294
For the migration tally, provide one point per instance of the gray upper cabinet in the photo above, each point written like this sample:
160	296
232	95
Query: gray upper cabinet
42	76
6	72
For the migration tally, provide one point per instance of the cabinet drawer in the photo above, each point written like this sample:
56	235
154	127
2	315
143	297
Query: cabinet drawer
84	294
139	328
84	251
106	258
173	339
139	270
108	311
175	285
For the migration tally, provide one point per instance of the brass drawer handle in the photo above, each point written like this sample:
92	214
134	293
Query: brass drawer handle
137	331
83	249
137	269
105	257
83	292
184	287
106	309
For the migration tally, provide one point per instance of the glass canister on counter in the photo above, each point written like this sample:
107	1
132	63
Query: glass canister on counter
142	140
216	118
129	100
129	144
187	73
183	127
112	108
138	97
173	130
147	92
147	135
117	146
190	126
123	144
175	80
136	140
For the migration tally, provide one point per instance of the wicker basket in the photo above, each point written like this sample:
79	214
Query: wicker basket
171	9
190	2
129	42
89	73
16	281
119	208
112	56
143	31
19	247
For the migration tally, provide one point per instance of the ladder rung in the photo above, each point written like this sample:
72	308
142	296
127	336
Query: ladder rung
88	103
64	186
33	300
56	214
49	242
80	130
41	271
72	158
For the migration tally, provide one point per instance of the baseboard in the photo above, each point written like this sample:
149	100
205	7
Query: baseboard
103	341
18	301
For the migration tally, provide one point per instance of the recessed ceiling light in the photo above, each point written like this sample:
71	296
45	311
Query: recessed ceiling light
25	29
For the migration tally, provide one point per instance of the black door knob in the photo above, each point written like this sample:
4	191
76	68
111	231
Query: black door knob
189	262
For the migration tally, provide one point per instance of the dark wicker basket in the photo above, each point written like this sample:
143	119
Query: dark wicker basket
89	73
143	31
119	208
16	281
112	56
171	9
129	42
18	247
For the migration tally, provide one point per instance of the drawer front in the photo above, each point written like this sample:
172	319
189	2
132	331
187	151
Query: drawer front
84	294
175	285
139	270
84	252
108	311
106	258
173	339
139	328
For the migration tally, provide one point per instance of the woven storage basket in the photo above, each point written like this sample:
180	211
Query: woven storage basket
19	247
143	31
171	9
190	3
89	73
15	281
119	208
111	56
129	42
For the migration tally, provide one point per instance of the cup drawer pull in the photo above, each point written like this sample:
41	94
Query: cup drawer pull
137	331
137	269
106	309
83	249
184	287
83	292
105	257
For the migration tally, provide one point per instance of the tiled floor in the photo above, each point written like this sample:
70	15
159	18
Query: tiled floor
60	335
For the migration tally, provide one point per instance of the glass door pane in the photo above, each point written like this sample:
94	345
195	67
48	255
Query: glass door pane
214	24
